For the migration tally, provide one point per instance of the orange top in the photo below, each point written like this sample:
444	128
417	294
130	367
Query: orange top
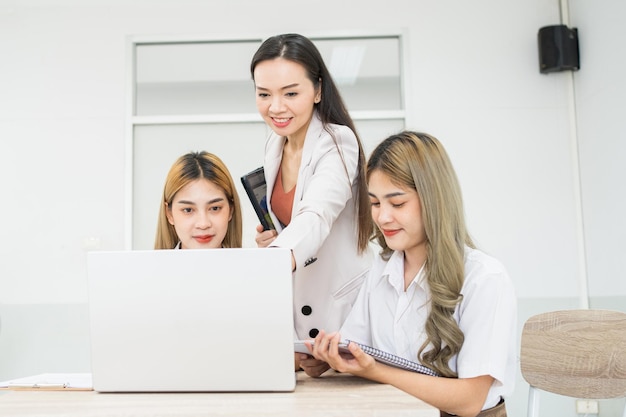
282	202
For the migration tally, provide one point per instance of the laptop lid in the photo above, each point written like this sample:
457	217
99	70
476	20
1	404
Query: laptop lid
191	320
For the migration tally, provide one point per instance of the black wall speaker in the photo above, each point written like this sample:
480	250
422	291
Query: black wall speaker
558	49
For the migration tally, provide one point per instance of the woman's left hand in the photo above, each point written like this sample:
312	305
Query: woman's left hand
263	238
356	362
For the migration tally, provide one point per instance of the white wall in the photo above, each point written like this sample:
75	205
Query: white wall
474	84
601	111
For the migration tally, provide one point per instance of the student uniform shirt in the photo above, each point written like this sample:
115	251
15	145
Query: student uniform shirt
386	317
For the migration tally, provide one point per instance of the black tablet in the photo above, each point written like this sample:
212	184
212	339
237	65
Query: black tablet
254	184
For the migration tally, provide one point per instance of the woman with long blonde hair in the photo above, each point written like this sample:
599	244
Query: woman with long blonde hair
200	206
431	297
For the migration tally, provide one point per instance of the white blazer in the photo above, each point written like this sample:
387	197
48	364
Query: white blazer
323	230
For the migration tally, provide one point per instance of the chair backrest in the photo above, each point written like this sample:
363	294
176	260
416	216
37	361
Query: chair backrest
577	353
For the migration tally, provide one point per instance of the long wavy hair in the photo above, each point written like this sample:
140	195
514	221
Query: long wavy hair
188	168
331	109
418	161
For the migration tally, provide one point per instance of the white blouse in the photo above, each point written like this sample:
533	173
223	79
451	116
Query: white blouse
386	317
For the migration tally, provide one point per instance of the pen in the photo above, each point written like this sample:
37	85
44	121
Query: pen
42	385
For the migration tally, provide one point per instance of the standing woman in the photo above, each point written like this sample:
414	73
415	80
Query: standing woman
431	296
314	168
200	206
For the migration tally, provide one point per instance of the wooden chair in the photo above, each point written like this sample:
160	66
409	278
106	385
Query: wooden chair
577	353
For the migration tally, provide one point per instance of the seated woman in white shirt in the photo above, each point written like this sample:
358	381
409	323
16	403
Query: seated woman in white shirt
431	296
200	206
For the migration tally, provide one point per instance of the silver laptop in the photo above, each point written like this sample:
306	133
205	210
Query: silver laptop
191	320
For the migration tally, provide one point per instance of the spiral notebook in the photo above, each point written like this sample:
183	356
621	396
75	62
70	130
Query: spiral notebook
380	355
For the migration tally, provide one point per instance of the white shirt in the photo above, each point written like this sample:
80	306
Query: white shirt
386	317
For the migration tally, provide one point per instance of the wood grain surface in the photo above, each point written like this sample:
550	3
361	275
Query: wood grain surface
578	353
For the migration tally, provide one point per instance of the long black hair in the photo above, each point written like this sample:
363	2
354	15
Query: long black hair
331	108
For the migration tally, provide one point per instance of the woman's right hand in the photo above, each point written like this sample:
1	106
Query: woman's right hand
264	237
311	366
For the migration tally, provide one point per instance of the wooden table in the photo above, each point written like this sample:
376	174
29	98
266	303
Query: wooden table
332	395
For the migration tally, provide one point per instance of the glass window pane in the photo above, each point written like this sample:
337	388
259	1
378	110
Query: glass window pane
213	77
372	132
366	70
194	78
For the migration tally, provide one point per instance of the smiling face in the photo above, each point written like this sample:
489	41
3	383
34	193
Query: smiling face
200	213
397	212
285	97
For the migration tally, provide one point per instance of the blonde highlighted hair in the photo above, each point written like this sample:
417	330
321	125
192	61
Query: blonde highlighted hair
419	161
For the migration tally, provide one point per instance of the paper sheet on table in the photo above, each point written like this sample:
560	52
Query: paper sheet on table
51	382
